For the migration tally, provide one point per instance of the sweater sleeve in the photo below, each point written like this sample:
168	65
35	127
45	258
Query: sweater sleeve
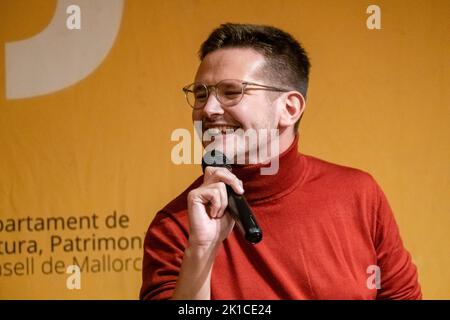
399	279
163	253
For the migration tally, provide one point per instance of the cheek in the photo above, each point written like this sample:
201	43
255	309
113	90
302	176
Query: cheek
241	115
271	114
265	113
247	114
265	118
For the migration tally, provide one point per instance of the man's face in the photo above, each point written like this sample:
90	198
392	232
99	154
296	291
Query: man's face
255	110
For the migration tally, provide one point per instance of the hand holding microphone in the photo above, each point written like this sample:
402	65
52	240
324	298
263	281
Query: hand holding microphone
221	190
238	206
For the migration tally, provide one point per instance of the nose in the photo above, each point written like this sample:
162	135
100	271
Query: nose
212	106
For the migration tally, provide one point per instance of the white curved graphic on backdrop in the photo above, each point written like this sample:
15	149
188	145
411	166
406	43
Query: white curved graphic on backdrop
59	56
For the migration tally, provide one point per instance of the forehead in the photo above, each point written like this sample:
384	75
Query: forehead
230	63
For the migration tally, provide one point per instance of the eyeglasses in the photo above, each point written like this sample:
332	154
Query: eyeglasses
228	92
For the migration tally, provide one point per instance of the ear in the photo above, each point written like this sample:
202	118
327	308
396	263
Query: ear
293	107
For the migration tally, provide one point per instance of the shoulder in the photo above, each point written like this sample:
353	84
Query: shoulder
335	176
347	192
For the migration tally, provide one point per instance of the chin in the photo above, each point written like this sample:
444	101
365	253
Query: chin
233	146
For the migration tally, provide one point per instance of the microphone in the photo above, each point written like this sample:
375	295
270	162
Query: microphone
237	204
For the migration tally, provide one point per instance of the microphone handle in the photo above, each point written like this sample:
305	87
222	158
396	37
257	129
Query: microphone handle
243	216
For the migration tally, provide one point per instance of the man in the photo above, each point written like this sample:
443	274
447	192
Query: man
328	231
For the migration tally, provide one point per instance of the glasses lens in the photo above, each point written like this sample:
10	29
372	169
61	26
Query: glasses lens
196	95
200	95
229	92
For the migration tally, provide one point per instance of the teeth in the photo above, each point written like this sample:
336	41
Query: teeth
222	129
213	131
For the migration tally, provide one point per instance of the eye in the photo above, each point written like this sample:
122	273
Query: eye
200	92
200	95
231	91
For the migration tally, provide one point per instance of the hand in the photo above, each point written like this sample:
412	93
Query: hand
209	223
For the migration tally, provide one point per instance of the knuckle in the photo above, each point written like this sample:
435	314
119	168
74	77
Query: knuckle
216	192
225	175
209	170
222	187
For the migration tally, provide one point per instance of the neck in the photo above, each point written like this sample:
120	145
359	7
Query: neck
271	151
277	146
260	186
287	137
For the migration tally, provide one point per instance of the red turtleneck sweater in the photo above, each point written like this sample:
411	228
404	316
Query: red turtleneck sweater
323	226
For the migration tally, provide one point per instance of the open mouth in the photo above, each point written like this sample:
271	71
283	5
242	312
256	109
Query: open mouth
221	129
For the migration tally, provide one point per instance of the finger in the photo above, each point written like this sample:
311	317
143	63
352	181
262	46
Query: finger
215	202
223	199
220	191
209	197
217	174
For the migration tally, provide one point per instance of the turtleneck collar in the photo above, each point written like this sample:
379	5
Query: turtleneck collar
261	188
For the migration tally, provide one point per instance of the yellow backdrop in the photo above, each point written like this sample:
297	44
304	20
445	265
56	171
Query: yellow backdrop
378	100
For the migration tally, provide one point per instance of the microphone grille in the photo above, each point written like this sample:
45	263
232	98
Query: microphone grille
215	158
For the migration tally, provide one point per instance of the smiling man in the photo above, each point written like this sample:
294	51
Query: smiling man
237	74
326	227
